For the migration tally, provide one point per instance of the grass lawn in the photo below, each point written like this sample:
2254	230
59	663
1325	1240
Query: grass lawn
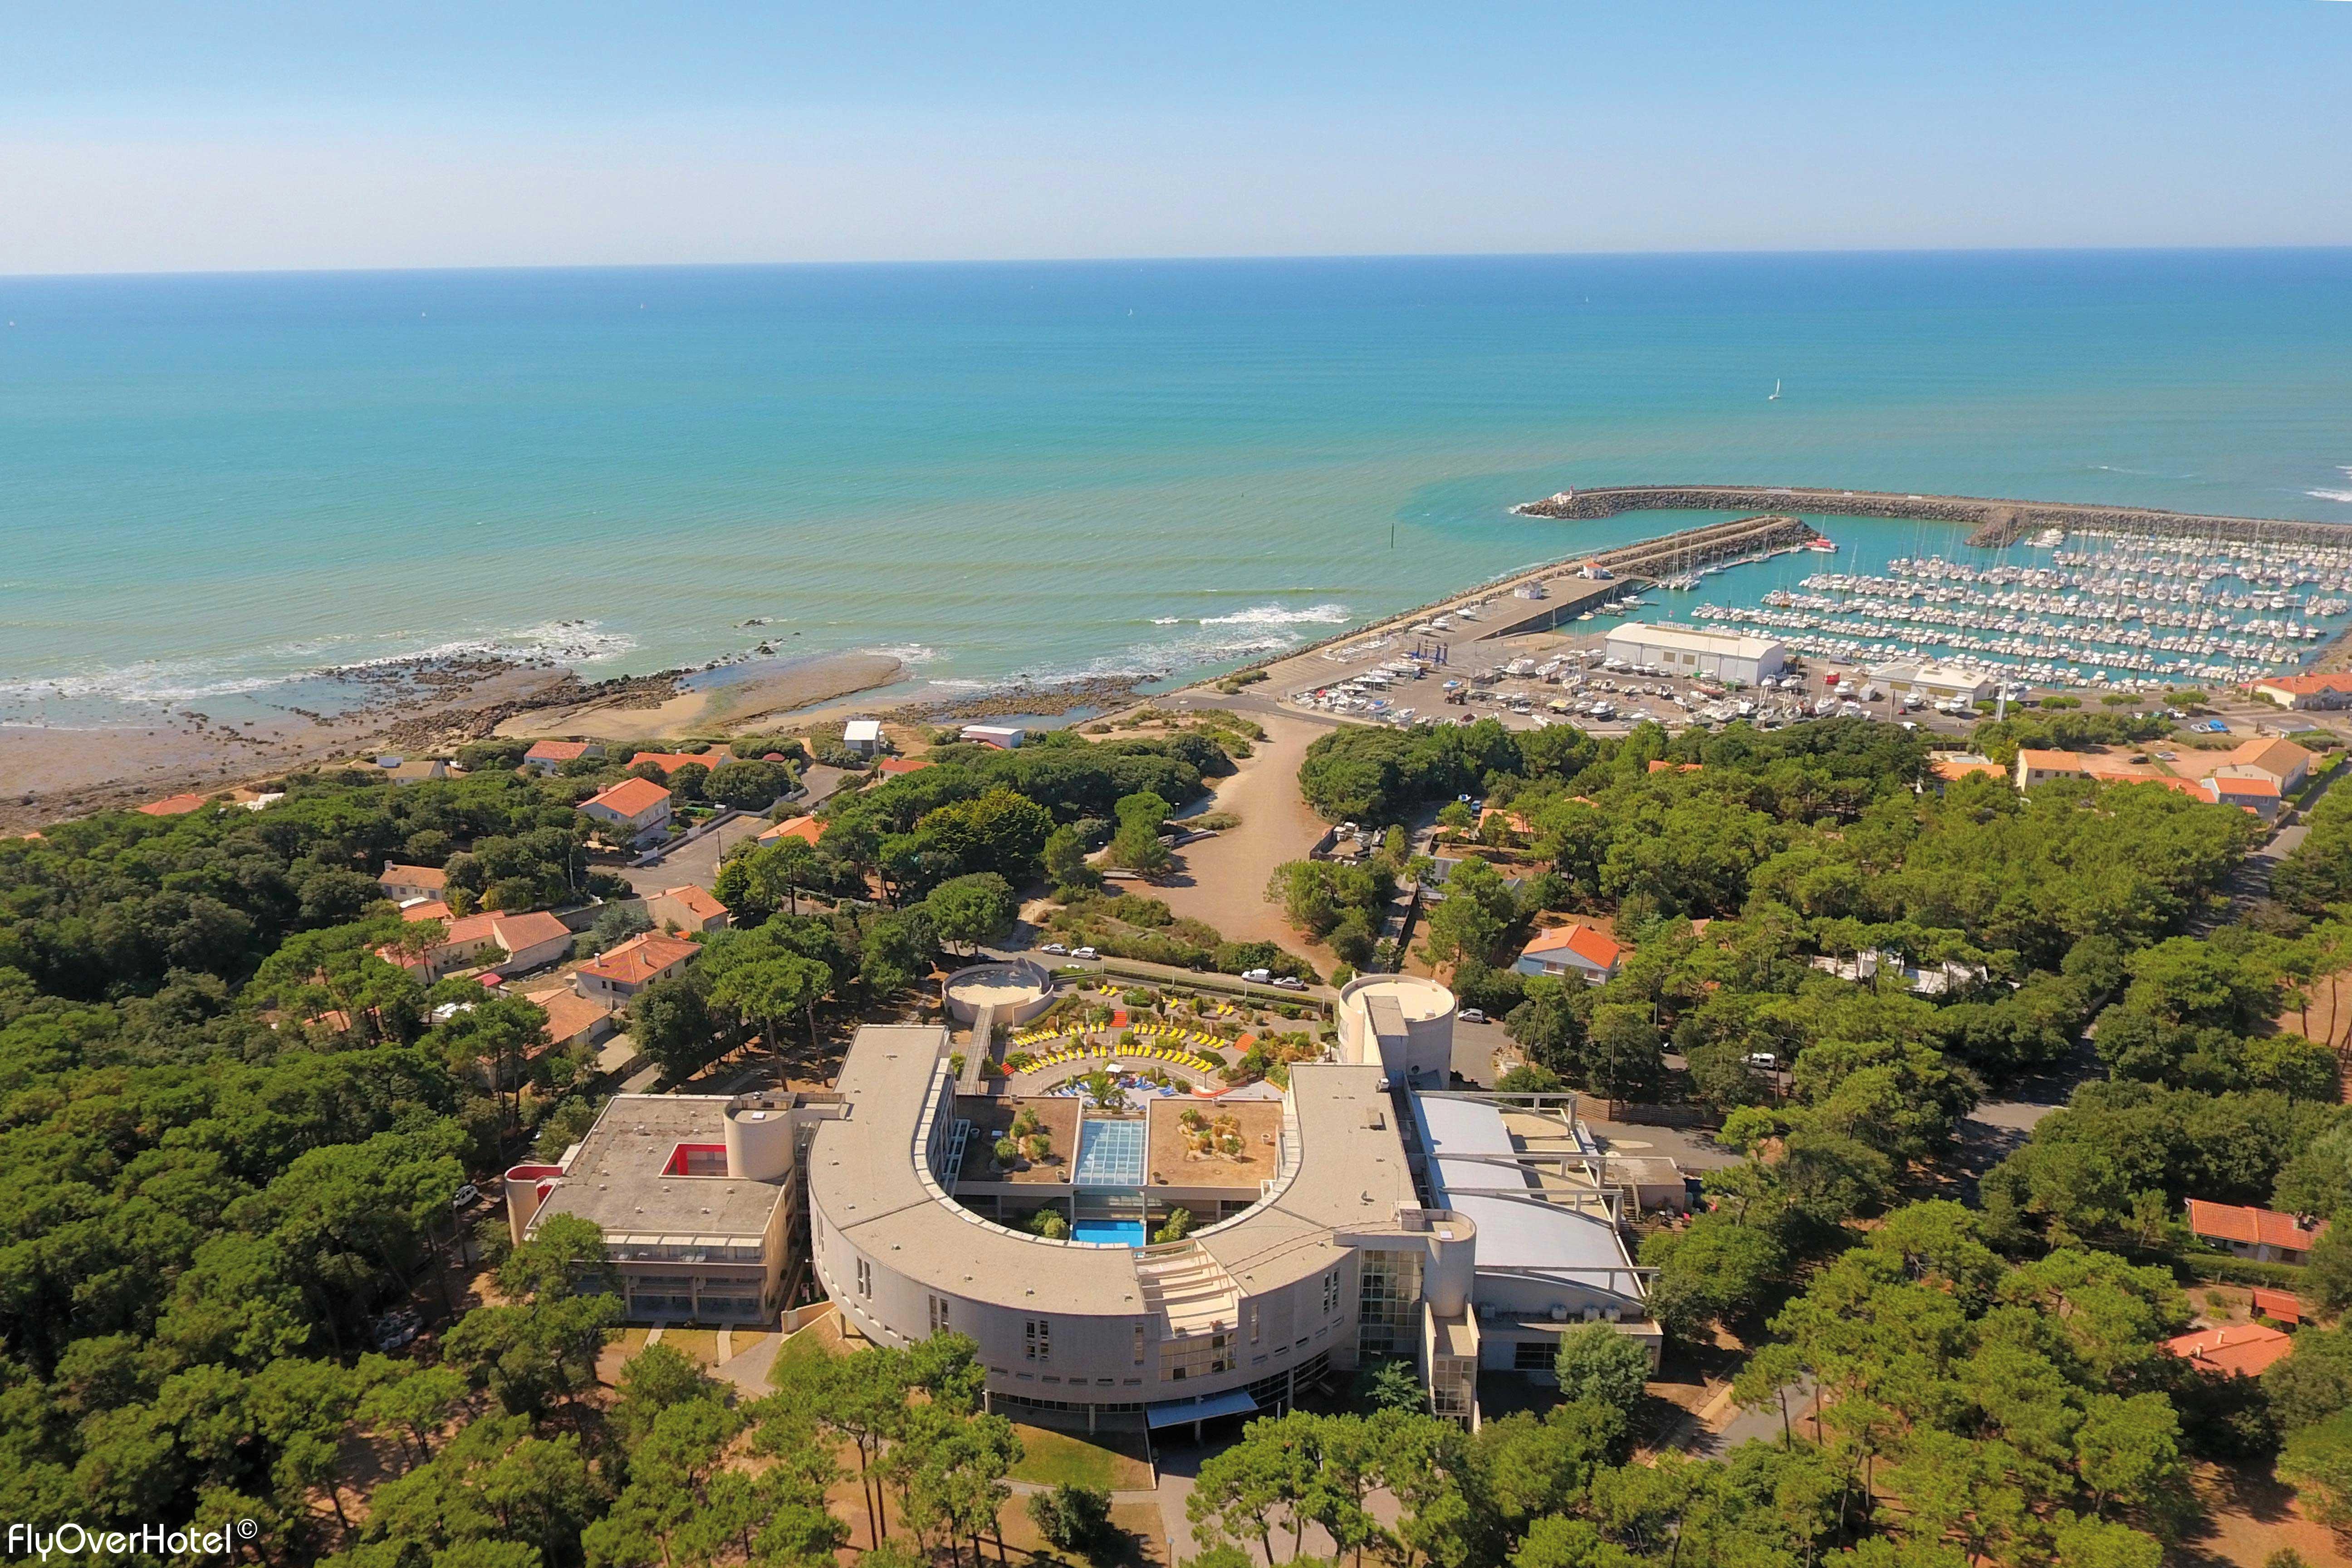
1112	1460
702	1344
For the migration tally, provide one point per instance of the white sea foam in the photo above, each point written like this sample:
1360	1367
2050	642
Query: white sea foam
912	654
2344	496
1167	620
1276	616
158	682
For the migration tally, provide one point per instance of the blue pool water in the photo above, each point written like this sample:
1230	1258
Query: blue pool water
1115	1233
1110	1154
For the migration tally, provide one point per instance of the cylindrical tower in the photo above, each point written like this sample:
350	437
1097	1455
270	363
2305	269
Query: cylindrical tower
758	1132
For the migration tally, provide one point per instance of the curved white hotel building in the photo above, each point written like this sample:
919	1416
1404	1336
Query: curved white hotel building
1355	1216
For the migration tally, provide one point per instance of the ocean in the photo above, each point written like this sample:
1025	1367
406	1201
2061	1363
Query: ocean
211	486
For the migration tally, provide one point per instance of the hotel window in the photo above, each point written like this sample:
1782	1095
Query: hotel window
938	1314
865	1278
1330	1292
1253	1322
1036	1338
1139	1344
1388	1309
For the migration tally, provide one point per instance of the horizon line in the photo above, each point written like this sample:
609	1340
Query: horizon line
910	263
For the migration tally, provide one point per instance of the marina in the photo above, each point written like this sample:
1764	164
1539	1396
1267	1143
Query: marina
2118	611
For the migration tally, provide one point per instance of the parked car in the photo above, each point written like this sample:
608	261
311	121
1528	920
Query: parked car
396	1328
1260	977
1060	949
1290	982
1762	1059
1084	952
1473	1015
465	1197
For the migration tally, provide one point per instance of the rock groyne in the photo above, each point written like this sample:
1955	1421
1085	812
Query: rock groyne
1995	522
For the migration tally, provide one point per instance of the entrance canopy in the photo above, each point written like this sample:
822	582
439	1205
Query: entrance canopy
1171	1411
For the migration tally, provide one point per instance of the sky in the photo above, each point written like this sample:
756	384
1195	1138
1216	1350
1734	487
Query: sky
157	136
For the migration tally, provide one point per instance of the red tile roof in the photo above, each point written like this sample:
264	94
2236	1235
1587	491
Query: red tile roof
698	902
1950	768
807	829
1583	941
426	910
904	765
2300	684
670	761
2283	1304
1660	765
2242	1348
639	959
557	751
2250	1227
629	798
394	874
515	933
2264	789
171	806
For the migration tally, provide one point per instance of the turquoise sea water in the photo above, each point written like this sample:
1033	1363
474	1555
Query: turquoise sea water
210	485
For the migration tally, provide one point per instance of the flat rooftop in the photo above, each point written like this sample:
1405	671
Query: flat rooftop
1471	1148
1691	639
616	1178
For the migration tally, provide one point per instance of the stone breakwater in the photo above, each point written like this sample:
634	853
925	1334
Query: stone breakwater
1995	522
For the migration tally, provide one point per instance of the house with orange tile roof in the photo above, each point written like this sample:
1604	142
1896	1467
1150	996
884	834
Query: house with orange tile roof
896	767
807	829
2279	760
507	944
549	756
1950	767
171	806
631	808
614	977
2035	766
417	910
2265	1236
572	1019
687	908
2306	691
2258	795
1572	950
2240	1348
671	761
401	883
1660	765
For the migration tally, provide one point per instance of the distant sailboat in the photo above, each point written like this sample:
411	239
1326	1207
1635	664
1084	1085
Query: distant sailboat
1776	391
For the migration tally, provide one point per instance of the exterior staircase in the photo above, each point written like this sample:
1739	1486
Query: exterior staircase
1188	1288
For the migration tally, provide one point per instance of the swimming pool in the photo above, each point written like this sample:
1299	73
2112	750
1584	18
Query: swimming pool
1110	1154
1116	1233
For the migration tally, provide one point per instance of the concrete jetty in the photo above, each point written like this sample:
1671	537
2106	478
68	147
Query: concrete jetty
1995	522
1628	568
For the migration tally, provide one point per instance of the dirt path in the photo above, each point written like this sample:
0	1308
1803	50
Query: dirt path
1223	879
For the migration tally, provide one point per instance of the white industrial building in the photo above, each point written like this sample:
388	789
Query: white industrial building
1935	682
1686	651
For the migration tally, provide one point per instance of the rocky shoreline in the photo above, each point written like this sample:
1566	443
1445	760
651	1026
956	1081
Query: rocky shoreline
1022	697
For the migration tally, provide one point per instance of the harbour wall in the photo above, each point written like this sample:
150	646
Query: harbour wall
1629	564
1995	522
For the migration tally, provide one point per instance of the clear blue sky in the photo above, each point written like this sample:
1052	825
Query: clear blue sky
158	135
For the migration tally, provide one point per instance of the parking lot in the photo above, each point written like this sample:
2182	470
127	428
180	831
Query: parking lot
1558	677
